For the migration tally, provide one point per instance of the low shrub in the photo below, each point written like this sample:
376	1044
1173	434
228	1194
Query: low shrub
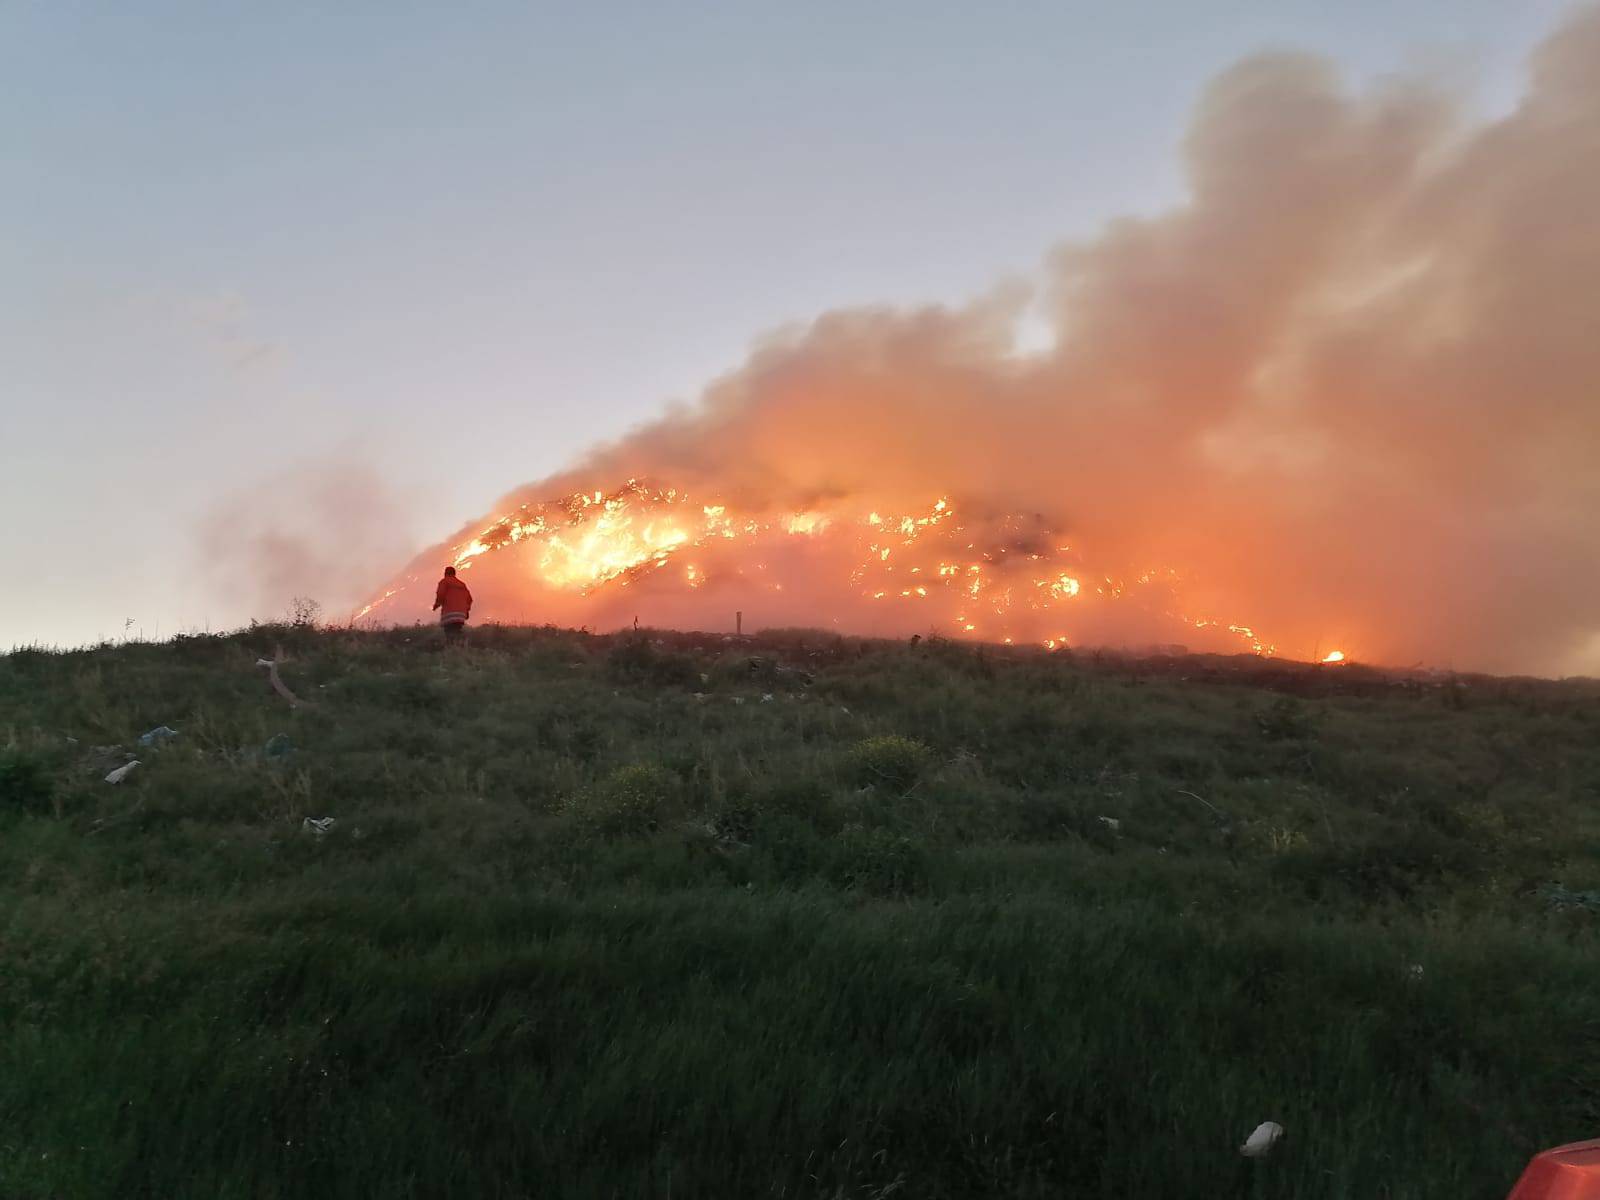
888	761
25	783
1044	817
631	800
879	862
639	660
805	798
794	850
1285	719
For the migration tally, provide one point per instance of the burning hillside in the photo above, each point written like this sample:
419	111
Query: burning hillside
1344	396
599	558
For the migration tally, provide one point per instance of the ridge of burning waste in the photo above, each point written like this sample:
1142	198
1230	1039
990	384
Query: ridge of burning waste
1341	392
1003	577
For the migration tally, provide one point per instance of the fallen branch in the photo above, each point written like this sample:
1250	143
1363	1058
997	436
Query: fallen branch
1215	811
272	664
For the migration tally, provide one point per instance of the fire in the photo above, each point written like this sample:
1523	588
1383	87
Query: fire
1220	467
935	567
1334	656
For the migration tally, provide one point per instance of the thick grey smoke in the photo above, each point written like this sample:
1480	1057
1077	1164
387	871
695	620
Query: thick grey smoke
1350	389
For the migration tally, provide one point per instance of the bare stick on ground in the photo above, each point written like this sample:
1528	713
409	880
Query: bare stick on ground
272	664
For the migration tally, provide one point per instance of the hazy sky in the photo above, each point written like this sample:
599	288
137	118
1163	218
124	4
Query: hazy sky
436	251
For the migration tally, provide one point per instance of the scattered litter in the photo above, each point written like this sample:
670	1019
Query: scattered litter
122	772
705	677
157	735
317	825
1564	899
1261	1139
1416	971
738	699
1111	823
766	698
844	710
278	746
702	695
72	741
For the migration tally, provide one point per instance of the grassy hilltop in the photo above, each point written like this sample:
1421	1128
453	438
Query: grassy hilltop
598	917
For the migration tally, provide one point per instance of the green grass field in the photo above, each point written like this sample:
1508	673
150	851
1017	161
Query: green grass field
597	918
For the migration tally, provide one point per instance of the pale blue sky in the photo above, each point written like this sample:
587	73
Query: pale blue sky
457	244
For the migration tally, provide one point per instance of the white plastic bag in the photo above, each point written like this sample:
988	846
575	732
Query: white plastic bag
122	772
1261	1140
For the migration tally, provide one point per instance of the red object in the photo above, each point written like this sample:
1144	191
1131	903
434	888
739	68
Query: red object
453	596
1565	1173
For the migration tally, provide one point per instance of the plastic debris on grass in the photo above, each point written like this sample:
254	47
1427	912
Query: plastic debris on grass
156	736
1261	1140
1564	899
122	772
318	825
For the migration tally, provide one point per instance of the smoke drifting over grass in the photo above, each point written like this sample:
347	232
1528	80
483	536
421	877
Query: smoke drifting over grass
1349	391
319	530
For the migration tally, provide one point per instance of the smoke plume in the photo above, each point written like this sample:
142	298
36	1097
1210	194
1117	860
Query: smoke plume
321	531
1348	393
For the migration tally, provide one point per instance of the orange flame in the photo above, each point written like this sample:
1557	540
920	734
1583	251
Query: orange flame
1005	578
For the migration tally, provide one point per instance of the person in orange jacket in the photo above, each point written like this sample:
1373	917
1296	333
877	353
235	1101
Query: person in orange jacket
454	602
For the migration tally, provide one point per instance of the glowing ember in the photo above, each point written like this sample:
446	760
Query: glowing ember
1001	577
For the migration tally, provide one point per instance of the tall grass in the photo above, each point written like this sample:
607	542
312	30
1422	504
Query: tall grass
596	918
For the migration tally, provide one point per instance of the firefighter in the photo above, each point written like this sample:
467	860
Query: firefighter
454	604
